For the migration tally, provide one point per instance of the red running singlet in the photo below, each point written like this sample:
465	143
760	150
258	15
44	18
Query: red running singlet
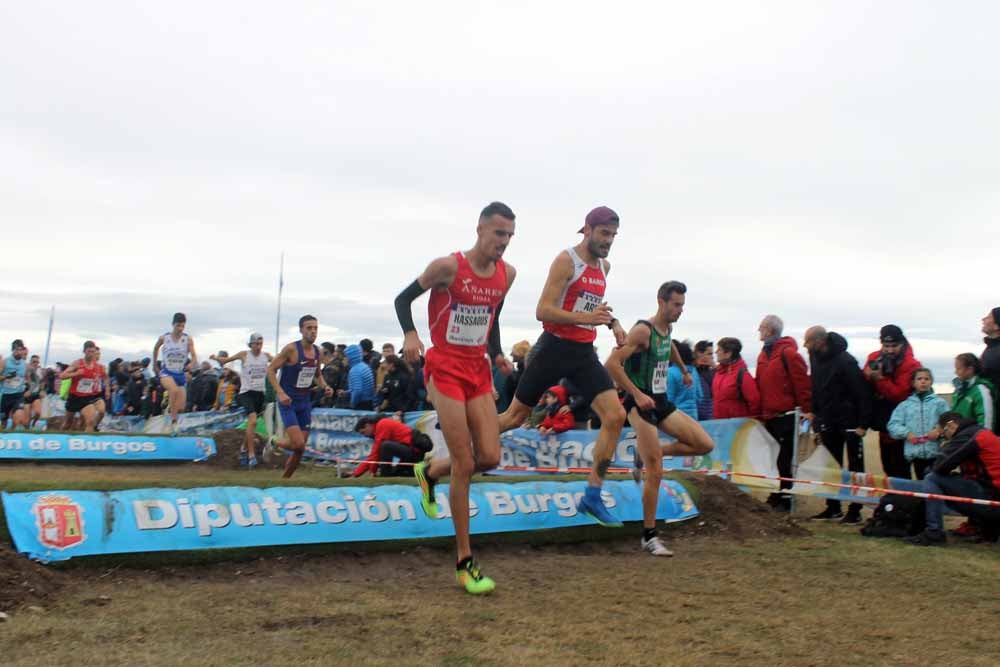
461	316
583	294
90	381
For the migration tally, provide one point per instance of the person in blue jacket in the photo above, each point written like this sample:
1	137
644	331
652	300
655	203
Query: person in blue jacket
360	380
684	397
915	422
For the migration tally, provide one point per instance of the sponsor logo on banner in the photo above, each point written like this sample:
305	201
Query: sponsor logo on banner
59	521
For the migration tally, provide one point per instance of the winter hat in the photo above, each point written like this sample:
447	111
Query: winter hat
996	315
891	333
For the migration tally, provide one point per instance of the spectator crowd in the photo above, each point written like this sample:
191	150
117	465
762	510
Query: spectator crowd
890	392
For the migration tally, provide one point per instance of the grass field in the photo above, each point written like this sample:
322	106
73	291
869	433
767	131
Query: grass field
580	596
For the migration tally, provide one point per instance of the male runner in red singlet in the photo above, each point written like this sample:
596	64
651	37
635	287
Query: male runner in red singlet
467	294
571	307
86	393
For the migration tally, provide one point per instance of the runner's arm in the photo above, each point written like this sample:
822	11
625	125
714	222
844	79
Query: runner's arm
194	355
438	273
493	345
272	369
636	341
71	371
241	356
156	352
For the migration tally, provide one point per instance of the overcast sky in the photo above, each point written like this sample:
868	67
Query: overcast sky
833	163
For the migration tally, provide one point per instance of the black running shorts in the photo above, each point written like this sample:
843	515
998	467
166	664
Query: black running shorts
9	404
251	401
554	358
661	411
76	403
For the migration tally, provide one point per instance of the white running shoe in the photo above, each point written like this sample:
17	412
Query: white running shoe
656	547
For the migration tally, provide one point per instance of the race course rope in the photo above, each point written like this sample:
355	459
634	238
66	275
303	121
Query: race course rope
701	471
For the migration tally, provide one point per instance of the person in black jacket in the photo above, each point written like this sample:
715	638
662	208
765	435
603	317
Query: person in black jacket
991	355
394	392
841	401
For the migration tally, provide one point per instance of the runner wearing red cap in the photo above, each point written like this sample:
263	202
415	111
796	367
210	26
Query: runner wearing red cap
572	305
467	293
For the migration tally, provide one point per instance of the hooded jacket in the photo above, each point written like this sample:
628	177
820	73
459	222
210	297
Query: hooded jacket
360	380
917	415
684	397
783	379
727	400
973	399
841	399
553	420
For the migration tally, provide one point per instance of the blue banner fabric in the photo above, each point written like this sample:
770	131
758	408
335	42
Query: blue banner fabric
103	447
58	525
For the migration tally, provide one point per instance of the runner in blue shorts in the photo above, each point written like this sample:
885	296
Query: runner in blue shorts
178	349
299	365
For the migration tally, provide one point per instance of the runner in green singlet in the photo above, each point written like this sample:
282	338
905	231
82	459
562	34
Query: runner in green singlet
640	368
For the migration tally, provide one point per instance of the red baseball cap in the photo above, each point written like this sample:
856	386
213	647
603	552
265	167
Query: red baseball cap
602	215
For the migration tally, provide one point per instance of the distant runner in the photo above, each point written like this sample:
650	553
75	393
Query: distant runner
299	366
86	391
35	391
178	351
253	380
12	387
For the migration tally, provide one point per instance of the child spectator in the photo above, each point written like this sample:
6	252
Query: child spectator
915	421
555	422
974	394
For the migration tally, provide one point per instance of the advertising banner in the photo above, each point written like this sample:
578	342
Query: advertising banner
42	446
58	525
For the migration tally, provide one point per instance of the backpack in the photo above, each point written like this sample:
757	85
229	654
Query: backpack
896	516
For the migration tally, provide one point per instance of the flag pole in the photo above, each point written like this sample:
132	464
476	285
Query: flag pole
48	338
281	285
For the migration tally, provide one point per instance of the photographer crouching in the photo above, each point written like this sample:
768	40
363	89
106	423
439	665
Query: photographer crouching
890	370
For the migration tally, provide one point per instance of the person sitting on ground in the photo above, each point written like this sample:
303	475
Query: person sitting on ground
915	421
974	394
556	419
976	451
704	361
395	442
734	390
685	398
